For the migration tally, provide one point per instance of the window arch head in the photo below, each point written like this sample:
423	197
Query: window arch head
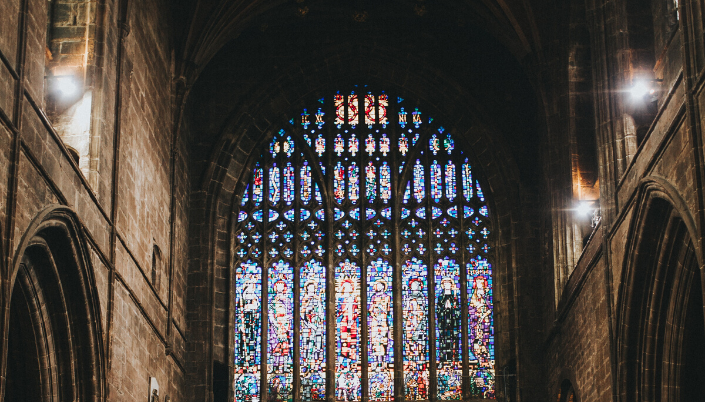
357	204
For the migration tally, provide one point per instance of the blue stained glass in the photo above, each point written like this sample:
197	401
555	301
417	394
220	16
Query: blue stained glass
319	118
448	331
355	213
319	198
385	182
387	213
480	194
257	215
339	145
434	144
371	213
467	181
248	324
305	119
481	328
415	328
280	342
483	211
289	183
242	216
273	215
380	351
288	146
289	215
436	185
320	214
421	213
338	214
313	331
308	140
274	147
305	183
436	212
371	181
402	118
245	197
305	214
453	211
274	184
353	182
451	189
407	193
339	182
468	212
418	181
405	213
416	138
348	330
448	144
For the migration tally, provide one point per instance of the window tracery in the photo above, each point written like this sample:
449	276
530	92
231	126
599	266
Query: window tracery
331	251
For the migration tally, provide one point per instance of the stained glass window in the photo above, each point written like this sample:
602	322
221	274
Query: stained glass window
316	261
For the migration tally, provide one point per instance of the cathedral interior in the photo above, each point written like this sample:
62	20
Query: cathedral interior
310	200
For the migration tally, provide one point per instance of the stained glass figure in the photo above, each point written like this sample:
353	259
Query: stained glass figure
481	328
339	182
370	145
339	145
370	110
384	145
258	188
248	338
339	103
383	105
433	144
371	181
289	183
353	183
280	337
353	145
450	181
353	118
418	181
313	331
385	182
305	183
415	329
467	181
347	292
283	237
436	182
320	145
380	349
274	184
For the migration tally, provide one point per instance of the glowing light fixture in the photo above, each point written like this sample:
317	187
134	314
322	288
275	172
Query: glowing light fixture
585	208
641	88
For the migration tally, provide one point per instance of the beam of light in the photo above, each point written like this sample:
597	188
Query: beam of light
585	208
66	85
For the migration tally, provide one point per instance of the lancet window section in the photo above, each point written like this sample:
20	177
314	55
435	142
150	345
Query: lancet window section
372	199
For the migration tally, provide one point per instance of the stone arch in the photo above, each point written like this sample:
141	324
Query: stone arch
51	311
660	298
246	128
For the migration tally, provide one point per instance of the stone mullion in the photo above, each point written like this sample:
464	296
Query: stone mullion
266	163
330	268
433	378
459	195
397	303
296	269
364	380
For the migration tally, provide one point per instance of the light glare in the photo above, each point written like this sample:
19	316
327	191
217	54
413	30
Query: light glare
66	85
639	90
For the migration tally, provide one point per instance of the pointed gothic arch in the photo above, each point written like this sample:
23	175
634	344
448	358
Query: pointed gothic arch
54	347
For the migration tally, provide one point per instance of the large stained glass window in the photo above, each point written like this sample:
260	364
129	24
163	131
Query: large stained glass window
362	264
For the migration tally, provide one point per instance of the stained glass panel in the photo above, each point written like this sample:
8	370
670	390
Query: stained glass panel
415	329
380	348
448	330
248	338
280	350
313	331
347	292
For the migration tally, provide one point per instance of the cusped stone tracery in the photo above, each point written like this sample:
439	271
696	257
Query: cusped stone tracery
377	200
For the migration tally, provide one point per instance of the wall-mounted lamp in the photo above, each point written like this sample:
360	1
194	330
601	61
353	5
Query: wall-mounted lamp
641	88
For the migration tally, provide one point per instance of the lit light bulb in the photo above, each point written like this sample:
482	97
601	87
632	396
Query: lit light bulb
66	85
639	90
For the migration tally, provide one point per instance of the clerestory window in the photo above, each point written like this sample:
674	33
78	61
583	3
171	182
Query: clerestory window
362	260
